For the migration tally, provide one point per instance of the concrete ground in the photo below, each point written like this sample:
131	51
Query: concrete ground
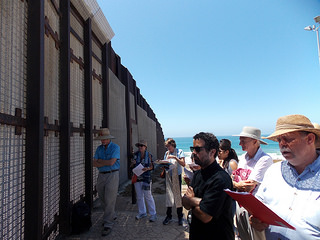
127	227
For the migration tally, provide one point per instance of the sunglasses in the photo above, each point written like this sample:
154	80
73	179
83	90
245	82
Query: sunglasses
198	149
140	145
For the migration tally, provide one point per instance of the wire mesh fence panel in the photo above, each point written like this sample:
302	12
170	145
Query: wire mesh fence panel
97	51
77	100
51	172
97	110
77	170
77	27
51	63
12	183
13	48
51	180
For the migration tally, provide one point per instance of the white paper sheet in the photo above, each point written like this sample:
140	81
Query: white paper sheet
188	173
193	165
138	170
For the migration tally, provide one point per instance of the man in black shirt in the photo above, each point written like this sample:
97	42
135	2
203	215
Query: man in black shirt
211	206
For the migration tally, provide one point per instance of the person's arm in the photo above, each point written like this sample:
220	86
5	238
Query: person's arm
190	201
150	165
257	174
95	158
234	165
245	186
257	224
102	162
181	161
95	163
114	154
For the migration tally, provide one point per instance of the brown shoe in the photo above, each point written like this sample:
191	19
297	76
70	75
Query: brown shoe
106	231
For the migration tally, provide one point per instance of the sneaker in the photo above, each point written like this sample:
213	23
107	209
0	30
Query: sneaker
106	231
142	215
167	220
153	218
180	221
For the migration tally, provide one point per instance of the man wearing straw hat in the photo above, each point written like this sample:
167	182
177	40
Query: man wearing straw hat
107	160
291	188
256	162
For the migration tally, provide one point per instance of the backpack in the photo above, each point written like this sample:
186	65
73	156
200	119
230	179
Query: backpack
81	217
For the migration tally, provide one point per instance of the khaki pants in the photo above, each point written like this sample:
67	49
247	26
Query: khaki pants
246	232
107	187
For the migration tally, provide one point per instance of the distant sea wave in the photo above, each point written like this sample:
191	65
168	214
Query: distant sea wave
272	148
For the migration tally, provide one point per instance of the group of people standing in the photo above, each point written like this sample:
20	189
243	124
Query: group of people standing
290	188
107	160
173	180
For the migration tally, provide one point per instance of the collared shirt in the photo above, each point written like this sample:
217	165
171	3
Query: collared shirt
209	184
258	166
112	151
295	198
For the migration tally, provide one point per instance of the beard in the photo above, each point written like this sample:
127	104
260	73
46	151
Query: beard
197	160
202	163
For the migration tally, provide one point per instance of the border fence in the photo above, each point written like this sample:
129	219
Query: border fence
60	82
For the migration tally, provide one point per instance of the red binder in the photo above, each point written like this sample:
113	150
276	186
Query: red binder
258	209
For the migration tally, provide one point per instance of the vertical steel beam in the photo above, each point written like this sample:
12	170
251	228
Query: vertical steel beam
126	79
65	128
35	121
125	75
105	84
88	111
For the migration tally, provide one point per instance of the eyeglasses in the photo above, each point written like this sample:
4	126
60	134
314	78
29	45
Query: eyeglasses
198	149
140	145
245	141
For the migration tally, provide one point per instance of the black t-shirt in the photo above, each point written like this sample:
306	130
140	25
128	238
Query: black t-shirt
208	184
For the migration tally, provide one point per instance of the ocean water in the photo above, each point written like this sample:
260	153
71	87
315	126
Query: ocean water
272	148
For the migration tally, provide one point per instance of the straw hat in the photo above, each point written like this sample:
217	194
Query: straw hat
142	142
251	132
293	123
104	133
316	125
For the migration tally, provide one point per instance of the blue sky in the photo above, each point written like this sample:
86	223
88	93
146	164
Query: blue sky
216	66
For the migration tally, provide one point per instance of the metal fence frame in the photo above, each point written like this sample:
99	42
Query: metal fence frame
37	126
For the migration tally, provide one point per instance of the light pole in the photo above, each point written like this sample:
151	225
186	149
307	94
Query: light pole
315	29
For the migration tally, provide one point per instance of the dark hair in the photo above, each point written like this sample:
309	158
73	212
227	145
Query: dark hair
171	142
210	140
225	144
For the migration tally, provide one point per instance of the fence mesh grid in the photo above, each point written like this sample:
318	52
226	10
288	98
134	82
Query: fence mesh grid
13	48
12	183
76	26
77	171
97	50
51	173
51	179
77	115
51	70
97	110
